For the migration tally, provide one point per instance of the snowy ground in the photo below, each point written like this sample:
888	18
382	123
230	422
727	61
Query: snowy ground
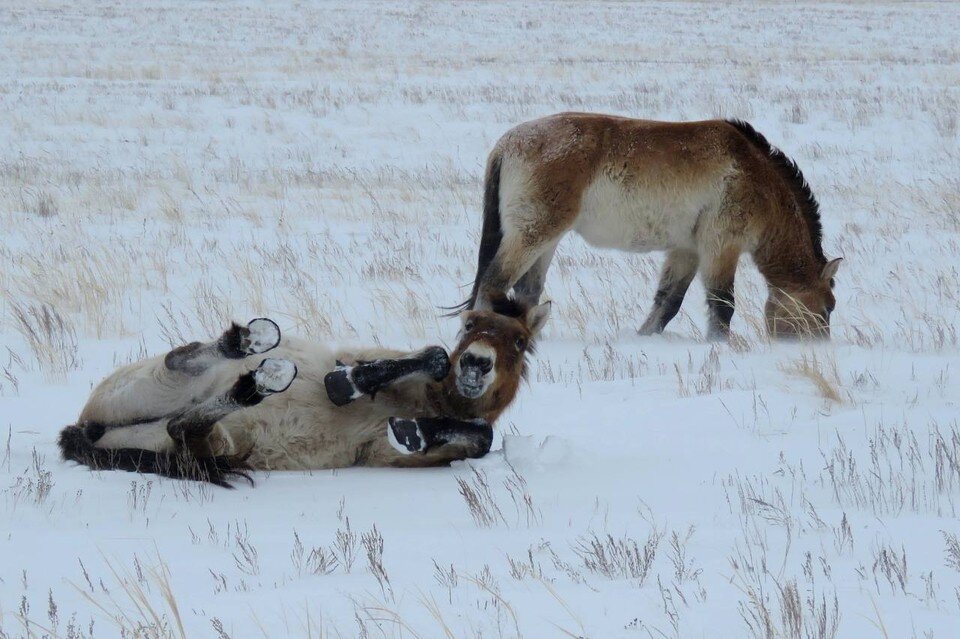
167	167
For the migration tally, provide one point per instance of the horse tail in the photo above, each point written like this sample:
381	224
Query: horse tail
76	445
491	233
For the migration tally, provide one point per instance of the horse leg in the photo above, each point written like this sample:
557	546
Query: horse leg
517	254
155	389
193	427
440	439
678	271
529	287
718	274
347	383
237	342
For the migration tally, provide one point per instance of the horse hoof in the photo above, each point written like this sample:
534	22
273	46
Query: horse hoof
405	436
260	336
340	387
274	375
436	363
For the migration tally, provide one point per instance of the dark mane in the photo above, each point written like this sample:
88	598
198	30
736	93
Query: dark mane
502	304
792	175
507	306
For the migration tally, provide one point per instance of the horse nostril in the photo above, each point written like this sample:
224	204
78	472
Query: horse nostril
469	360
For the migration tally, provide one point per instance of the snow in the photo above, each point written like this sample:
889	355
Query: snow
168	168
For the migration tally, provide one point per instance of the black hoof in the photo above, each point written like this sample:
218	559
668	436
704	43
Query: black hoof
436	363
340	388
405	436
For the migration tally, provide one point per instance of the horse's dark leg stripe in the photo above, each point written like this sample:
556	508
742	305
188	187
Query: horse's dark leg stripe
678	271
720	304
347	383
668	301
529	287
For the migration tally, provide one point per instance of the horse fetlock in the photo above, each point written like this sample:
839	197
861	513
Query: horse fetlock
258	336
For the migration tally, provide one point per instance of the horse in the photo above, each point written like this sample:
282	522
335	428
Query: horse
204	412
704	192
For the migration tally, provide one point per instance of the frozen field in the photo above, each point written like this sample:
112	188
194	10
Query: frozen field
166	167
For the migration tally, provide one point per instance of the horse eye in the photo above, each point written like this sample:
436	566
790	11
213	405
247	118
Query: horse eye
521	343
468	325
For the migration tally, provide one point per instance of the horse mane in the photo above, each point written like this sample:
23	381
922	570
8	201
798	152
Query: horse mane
791	174
502	304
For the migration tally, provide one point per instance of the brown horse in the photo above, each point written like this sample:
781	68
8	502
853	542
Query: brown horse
204	411
705	192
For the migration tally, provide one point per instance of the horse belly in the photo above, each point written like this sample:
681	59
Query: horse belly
632	219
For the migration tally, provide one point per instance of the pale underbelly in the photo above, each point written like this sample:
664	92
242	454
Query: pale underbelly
633	226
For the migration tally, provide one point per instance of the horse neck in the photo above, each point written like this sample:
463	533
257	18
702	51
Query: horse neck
785	254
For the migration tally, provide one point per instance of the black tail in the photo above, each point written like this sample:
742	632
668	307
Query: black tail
76	446
491	233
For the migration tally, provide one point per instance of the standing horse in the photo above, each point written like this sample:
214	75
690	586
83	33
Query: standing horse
200	412
705	192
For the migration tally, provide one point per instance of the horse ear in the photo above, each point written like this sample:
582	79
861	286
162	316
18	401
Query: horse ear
537	317
830	269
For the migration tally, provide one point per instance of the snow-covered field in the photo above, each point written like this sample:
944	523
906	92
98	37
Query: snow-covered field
166	167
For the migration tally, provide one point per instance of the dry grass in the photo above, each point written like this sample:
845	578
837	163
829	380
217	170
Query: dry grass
326	170
824	376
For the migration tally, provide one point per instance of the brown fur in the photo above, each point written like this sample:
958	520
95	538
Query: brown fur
704	191
127	421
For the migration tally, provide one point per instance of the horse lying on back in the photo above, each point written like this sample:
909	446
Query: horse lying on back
205	412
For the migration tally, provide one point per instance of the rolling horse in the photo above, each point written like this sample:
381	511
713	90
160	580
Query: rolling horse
704	192
216	410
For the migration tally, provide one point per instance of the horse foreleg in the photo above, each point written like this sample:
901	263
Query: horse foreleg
444	438
678	271
718	277
237	342
347	383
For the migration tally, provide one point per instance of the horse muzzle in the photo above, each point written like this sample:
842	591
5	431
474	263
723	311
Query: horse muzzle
471	382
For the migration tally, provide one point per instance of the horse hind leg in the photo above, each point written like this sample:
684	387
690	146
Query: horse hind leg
718	272
678	271
193	427
258	336
529	287
157	389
